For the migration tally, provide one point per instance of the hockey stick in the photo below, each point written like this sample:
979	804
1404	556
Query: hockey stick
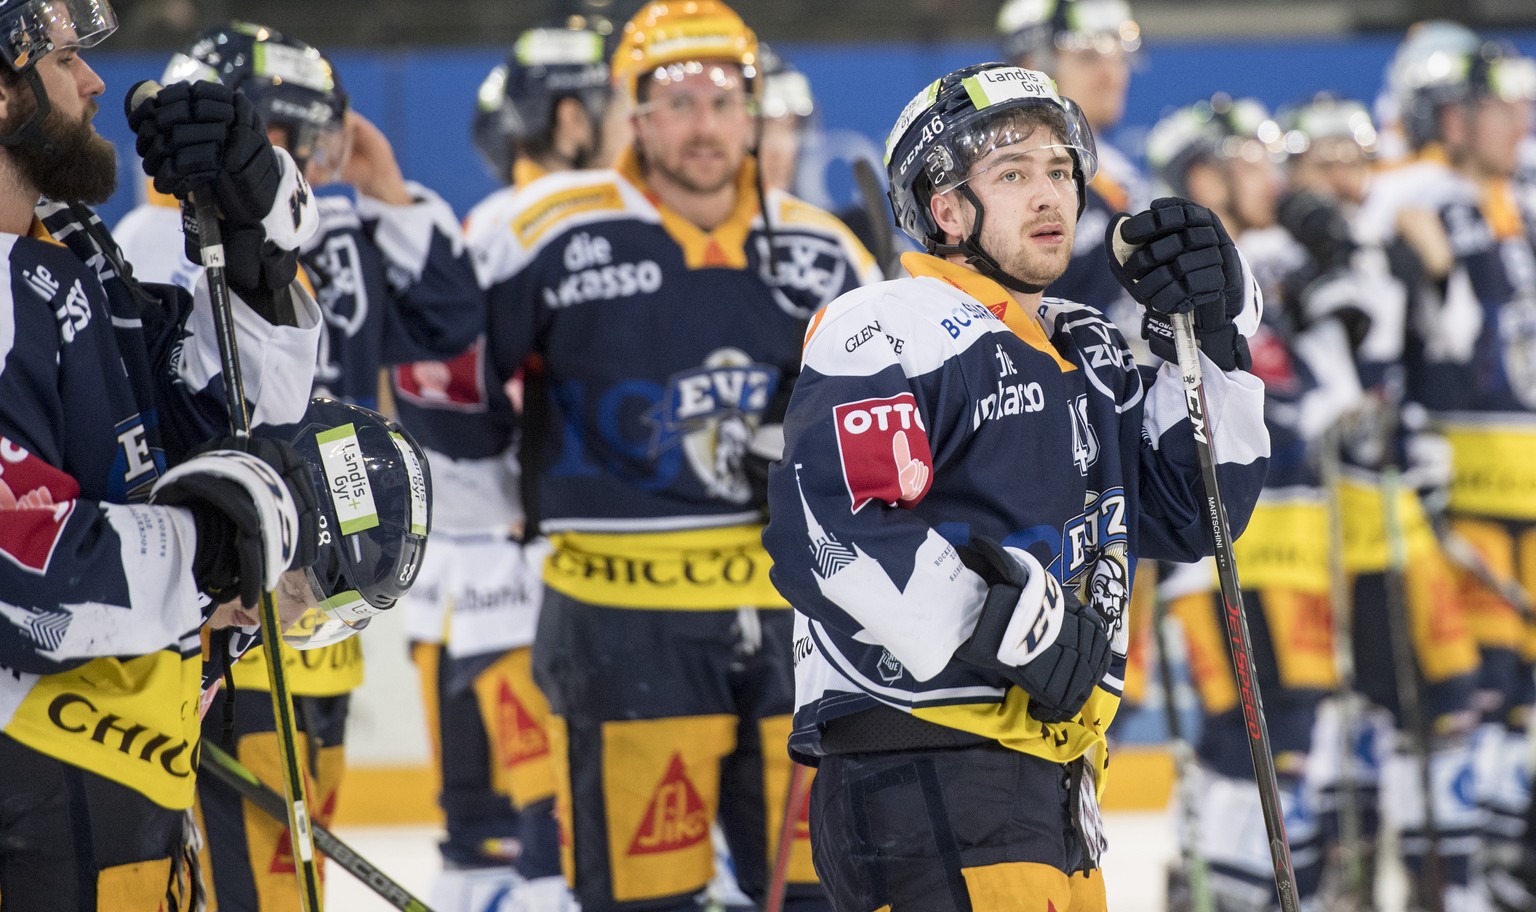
1196	871
1351	847
232	773
1239	640
297	809
211	248
1465	557
878	211
1410	683
794	799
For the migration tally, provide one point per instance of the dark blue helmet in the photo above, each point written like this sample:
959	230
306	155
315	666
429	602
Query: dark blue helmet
516	101
293	87
375	511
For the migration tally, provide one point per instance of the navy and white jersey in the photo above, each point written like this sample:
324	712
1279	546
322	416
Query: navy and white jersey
104	383
922	419
667	349
394	282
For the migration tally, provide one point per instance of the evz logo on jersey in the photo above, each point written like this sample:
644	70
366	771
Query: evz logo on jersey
1102	523
136	465
714	411
883	444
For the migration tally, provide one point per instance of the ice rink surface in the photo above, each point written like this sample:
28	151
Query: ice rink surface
1139	848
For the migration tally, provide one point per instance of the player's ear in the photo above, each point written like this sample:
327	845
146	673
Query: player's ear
950	213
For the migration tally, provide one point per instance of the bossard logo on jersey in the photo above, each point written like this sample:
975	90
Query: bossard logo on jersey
808	271
713	411
591	274
521	738
676	818
884	448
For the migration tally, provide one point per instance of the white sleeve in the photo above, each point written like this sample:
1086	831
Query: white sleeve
277	363
404	233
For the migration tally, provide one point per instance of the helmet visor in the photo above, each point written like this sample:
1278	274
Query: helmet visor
45	25
1028	125
324	621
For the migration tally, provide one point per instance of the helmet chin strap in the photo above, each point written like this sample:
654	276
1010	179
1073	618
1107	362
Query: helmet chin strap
977	258
31	131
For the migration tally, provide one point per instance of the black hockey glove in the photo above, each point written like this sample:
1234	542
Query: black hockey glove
1318	226
256	512
1183	262
203	135
256	268
1033	632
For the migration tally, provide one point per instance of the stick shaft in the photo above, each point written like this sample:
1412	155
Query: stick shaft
297	811
1239	641
795	797
229	771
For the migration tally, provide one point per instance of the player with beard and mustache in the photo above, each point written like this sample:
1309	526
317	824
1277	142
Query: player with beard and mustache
395	284
668	298
106	385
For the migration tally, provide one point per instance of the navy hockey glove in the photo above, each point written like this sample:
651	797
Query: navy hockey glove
256	512
1182	262
256	267
203	135
1033	632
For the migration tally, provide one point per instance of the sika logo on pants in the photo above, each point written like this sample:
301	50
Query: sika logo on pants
884	450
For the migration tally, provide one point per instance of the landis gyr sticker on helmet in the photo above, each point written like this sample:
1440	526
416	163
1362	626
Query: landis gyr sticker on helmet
418	517
346	479
990	87
302	67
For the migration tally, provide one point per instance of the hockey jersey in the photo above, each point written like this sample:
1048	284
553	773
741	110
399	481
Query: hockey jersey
103	384
1471	354
933	409
394	284
667	350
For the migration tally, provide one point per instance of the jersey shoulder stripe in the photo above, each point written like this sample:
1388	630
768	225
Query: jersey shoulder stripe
794	214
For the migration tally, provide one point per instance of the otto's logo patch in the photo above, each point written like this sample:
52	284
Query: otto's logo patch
457	385
40	499
884	449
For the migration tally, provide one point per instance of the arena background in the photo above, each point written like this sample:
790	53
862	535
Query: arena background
863	71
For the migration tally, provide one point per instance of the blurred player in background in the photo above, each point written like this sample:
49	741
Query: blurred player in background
394	284
668	299
1225	153
1465	109
1089	47
471	625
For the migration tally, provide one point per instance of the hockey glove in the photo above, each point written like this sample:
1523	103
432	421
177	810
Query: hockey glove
1033	632
256	513
203	135
1182	262
255	266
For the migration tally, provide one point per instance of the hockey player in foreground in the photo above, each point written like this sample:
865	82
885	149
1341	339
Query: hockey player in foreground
472	619
111	560
970	472
394	284
668	298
